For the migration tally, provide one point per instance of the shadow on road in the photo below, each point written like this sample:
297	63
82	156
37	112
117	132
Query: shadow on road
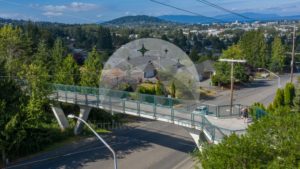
124	142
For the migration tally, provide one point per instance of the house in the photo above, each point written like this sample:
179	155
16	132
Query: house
150	70
205	69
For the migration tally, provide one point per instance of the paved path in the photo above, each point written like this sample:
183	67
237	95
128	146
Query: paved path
150	145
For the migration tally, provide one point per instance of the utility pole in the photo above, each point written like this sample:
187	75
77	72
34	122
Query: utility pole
232	61
293	54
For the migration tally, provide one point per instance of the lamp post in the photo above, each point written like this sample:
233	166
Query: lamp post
278	77
232	61
71	116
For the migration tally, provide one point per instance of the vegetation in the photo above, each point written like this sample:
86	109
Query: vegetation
29	56
223	69
254	48
271	142
91	71
278	56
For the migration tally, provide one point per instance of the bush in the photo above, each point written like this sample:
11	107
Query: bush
37	139
289	94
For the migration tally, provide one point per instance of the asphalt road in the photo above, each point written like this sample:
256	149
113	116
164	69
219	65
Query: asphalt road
150	144
258	91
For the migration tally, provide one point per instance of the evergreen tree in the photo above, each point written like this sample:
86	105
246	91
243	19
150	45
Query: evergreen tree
91	71
279	98
173	89
57	53
194	55
42	56
254	49
38	89
278	54
11	51
11	101
159	88
289	94
68	72
296	100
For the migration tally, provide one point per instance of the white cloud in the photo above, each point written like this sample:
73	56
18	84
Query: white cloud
58	10
99	16
79	6
49	13
54	8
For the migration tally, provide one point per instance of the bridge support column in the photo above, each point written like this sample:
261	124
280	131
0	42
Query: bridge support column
84	114
60	116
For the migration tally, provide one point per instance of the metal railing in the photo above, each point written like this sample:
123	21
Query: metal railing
172	110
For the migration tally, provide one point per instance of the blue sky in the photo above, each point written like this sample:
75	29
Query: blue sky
88	11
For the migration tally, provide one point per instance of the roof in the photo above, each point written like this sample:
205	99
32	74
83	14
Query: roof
206	66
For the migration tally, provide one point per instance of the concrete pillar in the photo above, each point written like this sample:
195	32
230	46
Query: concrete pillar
60	116
196	138
84	114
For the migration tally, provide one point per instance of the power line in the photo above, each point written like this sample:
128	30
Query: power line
223	9
188	11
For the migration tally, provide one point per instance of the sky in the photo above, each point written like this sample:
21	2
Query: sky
91	11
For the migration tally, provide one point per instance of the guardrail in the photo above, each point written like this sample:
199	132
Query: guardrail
156	107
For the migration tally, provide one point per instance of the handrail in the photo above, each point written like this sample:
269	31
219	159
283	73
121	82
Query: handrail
156	101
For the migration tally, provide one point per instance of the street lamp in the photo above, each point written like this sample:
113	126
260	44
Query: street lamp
232	61
278	77
71	116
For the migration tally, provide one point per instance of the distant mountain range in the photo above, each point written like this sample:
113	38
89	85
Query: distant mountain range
188	19
249	17
136	21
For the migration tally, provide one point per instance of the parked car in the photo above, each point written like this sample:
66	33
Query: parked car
201	110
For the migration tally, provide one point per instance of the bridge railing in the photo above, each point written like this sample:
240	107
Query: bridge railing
176	110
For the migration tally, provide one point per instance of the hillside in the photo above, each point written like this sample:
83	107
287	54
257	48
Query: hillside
137	20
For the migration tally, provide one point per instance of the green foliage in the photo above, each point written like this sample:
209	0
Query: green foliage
11	48
42	56
38	90
272	142
91	71
125	87
278	55
159	88
254	49
68	72
253	109
146	90
296	100
173	90
194	55
223	69
289	94
57	55
279	98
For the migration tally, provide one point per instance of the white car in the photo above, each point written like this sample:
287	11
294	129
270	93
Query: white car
201	110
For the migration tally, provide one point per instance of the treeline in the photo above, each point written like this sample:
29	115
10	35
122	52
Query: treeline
258	53
26	121
272	141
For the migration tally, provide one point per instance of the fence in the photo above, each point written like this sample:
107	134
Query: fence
158	107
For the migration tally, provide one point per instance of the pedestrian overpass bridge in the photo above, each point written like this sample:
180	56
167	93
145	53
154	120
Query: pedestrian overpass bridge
176	111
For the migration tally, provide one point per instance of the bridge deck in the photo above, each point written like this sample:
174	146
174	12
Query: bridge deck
181	114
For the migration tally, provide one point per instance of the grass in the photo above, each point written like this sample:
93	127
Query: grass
207	92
